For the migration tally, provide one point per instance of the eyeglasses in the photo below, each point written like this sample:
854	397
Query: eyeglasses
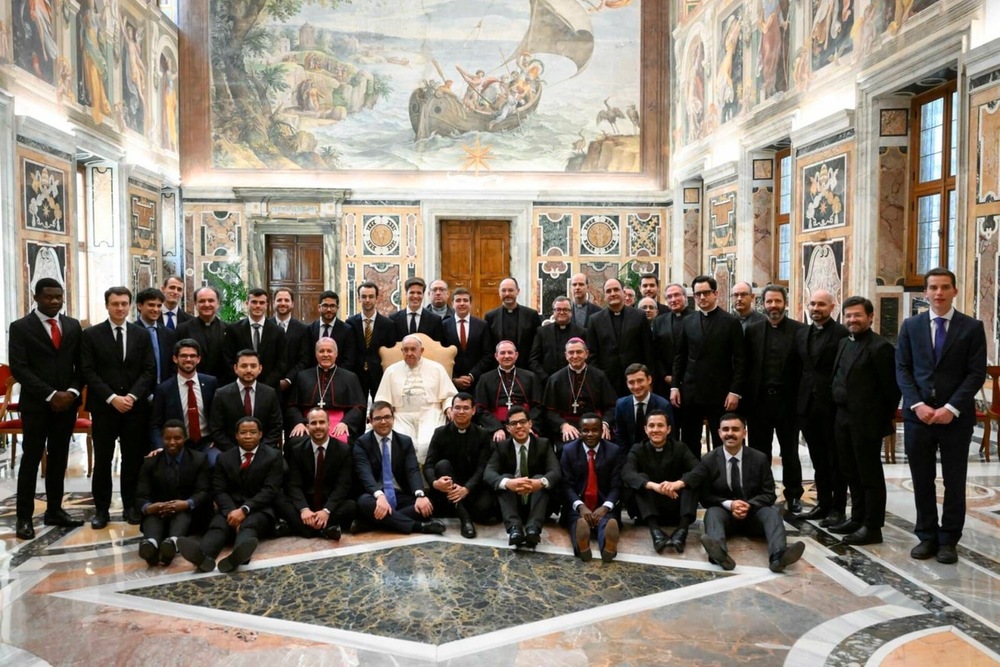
518	422
703	293
560	310
382	418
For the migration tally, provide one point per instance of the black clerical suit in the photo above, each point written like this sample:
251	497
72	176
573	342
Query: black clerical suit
408	483
342	334
337	388
773	371
542	464
477	357
227	408
212	341
42	369
752	317
548	351
582	314
519	326
427	323
163	478
107	374
463	457
865	393
617	340
256	489
817	349
574	465
270	351
330	489
368	364
589	389
645	463
712	478
666	332
708	365
492	394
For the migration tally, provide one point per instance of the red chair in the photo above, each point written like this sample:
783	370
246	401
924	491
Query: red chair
10	426
12	406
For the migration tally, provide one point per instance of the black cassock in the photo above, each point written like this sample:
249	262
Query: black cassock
313	387
492	397
589	390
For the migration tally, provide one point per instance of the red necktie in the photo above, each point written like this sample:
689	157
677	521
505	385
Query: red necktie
461	333
247	406
318	495
194	423
247	459
590	493
56	334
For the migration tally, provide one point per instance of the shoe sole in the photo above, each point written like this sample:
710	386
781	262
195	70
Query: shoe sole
583	540
191	551
238	556
611	532
167	552
149	553
846	530
792	554
717	553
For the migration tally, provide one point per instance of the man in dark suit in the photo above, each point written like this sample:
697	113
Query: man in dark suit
44	353
574	390
456	461
372	331
940	366
298	354
472	338
631	411
708	366
743	305
173	292
737	490
333	389
650	468
816	347
618	336
174	484
413	318
255	332
548	351
149	303
592	479
649	287
116	358
773	371
504	387
582	306
210	332
524	471
666	337
514	322
245	398
186	396
246	482
439	299
329	326
319	482
392	490
865	393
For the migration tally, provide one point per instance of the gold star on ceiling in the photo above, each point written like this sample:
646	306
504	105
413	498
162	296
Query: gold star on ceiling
477	156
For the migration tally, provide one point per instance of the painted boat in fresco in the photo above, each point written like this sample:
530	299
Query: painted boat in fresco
559	27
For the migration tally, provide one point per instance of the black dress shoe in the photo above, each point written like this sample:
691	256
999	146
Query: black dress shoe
331	532
864	535
100	520
582	545
468	530
845	527
24	530
167	551
60	517
787	556
818	512
149	553
678	539
191	551
611	533
281	528
660	541
793	506
132	516
532	536
947	554
717	553
832	519
926	549
516	536
238	556
432	527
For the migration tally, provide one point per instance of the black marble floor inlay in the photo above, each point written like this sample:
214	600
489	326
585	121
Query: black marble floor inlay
432	593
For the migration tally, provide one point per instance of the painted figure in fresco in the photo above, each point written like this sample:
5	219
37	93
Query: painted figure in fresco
168	101
35	47
473	98
92	75
829	20
727	88
695	104
134	77
772	53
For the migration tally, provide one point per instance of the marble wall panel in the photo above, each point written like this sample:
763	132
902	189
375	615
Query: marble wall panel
763	234
643	234
987	297
600	235
555	233
597	273
143	219
168	233
692	245
387	277
823	268
552	280
988	153
44	259
143	273
983	255
721	220
892	215
723	269
824	185
893	122
387	238
219	244
380	234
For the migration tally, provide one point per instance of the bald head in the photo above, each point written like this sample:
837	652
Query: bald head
820	306
578	288
742	298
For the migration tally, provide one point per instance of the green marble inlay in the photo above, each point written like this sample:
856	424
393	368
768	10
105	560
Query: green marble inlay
433	593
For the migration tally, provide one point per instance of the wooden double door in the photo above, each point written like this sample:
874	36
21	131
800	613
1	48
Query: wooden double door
296	263
475	254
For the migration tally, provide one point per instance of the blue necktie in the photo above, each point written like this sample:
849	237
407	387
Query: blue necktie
170	320
940	335
156	350
387	487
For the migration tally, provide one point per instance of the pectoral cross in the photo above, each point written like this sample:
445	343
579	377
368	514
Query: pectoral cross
509	404
576	406
321	404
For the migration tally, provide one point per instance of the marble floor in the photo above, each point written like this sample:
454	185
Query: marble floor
84	597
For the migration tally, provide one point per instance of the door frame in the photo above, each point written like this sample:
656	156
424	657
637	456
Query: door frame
516	212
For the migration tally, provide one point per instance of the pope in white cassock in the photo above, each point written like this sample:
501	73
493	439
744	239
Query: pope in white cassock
421	391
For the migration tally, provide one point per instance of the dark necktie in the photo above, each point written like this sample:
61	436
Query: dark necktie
318	495
120	343
413	323
156	350
640	417
170	320
172	472
56	334
590	493
940	336
256	337
193	421
735	483
247	460
247	405
523	456
326	331
388	488
461	333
